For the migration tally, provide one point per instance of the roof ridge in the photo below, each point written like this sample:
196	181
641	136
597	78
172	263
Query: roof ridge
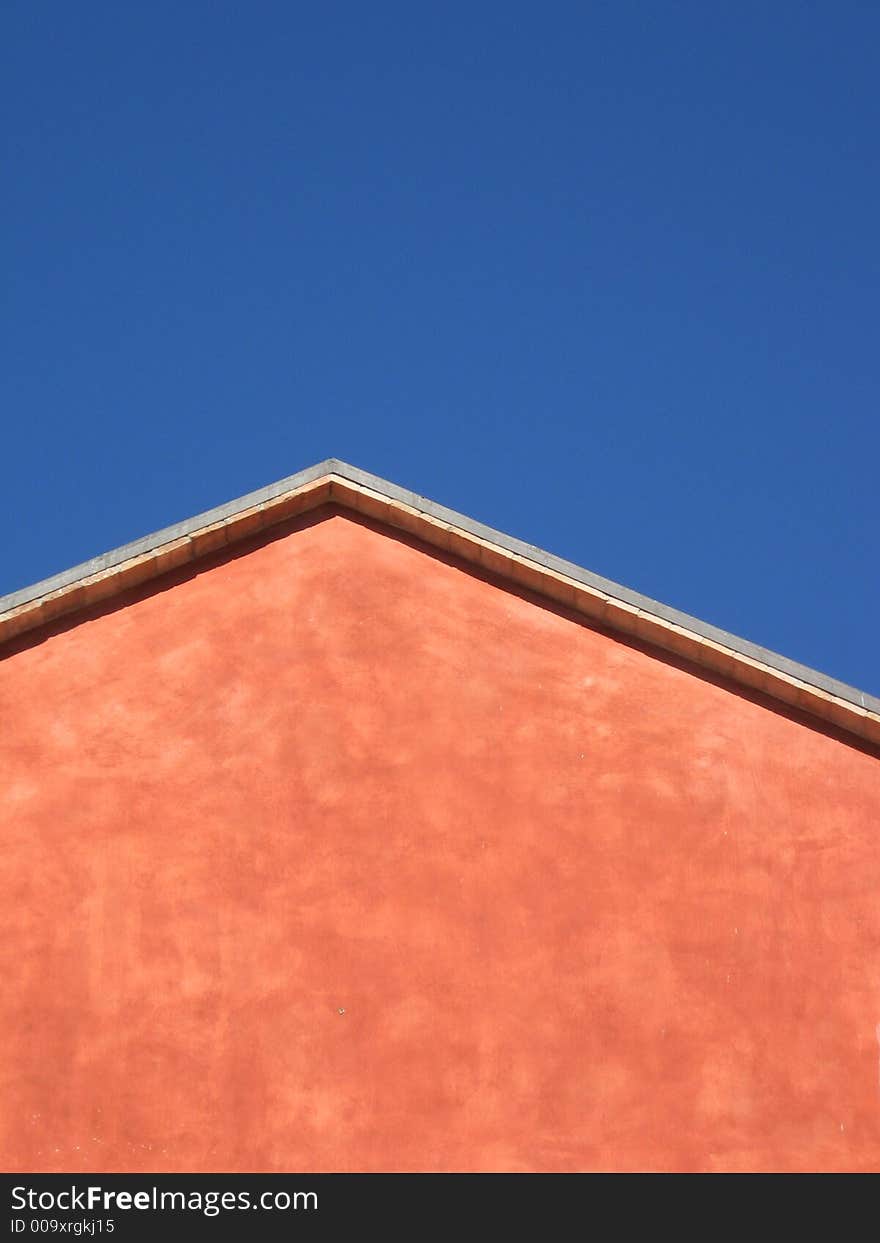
195	536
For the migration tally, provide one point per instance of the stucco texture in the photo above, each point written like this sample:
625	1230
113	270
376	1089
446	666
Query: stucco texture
335	855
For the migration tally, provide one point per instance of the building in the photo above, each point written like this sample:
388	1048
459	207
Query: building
343	833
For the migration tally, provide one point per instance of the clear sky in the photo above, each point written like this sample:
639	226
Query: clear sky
603	275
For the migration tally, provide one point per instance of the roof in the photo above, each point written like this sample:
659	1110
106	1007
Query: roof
597	599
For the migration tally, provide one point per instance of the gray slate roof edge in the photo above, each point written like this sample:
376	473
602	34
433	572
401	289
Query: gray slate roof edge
333	466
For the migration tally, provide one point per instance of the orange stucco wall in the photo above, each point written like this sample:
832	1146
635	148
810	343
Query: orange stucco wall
336	856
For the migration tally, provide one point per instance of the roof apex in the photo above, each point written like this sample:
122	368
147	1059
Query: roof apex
333	480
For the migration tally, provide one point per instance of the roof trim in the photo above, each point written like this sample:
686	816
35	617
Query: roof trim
597	598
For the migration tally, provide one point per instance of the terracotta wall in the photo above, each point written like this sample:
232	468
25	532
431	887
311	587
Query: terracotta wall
335	856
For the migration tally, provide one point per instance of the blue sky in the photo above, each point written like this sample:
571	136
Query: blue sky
602	275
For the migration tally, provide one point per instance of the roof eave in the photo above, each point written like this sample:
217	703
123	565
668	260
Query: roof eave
596	598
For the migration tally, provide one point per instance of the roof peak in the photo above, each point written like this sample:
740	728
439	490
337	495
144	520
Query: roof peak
333	480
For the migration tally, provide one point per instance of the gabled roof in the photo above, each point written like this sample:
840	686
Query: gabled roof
332	481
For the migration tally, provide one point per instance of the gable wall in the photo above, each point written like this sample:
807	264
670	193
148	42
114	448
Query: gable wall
581	907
